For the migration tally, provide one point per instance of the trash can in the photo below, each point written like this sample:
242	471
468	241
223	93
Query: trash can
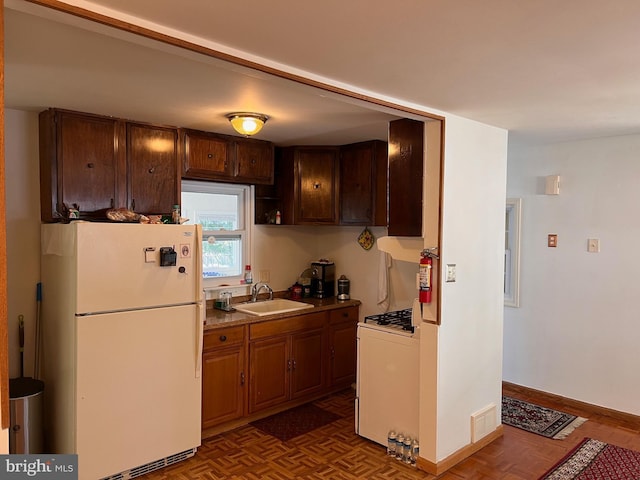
25	402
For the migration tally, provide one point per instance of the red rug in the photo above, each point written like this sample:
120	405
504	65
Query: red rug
596	460
295	422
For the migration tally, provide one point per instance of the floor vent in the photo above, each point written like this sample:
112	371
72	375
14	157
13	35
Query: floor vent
150	467
483	422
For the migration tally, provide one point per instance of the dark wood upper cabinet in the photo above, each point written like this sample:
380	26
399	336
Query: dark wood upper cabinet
82	162
307	185
98	162
363	183
254	161
406	164
206	155
327	185
225	158
154	174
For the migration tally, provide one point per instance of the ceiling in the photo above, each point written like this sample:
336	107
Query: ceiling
545	70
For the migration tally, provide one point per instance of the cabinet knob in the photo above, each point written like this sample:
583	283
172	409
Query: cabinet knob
209	155
223	338
242	378
152	169
316	185
90	165
253	161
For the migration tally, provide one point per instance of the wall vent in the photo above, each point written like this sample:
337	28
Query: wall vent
483	422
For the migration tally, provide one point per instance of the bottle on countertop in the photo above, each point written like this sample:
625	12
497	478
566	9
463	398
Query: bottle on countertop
175	214
278	217
248	276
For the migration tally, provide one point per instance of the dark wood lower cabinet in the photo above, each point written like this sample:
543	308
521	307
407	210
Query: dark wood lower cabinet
269	375
307	366
342	340
287	360
223	376
254	370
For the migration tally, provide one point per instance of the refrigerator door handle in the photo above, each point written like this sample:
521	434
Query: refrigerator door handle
201	313
200	317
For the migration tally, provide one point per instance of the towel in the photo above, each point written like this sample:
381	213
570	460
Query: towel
383	281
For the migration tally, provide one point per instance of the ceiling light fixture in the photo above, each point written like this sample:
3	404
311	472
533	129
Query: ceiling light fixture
246	123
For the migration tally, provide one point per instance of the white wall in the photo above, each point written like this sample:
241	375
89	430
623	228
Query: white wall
469	339
576	333
23	231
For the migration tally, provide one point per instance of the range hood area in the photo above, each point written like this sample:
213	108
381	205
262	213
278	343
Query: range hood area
405	249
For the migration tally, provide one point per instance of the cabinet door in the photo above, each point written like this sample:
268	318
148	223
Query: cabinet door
269	372
307	366
343	347
207	156
254	162
81	162
152	159
316	186
223	386
363	183
406	165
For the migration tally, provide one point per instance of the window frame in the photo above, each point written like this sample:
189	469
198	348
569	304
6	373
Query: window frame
245	221
513	214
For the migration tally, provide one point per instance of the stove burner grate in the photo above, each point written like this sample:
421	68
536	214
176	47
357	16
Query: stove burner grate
396	320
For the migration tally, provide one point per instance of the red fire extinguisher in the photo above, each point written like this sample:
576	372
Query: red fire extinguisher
426	263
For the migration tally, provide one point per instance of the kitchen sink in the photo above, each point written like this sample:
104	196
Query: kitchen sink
271	307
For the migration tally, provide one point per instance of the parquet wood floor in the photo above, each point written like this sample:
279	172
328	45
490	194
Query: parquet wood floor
336	452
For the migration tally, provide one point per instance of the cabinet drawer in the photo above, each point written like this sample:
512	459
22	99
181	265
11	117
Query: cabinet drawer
343	315
224	337
287	325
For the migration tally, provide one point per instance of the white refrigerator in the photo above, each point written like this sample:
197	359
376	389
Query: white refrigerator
122	325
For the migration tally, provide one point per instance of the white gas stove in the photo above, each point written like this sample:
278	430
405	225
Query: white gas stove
388	374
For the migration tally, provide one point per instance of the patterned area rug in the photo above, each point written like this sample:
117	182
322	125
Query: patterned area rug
536	419
596	460
297	421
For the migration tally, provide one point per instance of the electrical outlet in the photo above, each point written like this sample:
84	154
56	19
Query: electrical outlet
552	240
593	245
264	276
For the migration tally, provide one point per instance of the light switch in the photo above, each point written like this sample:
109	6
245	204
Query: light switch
552	240
451	272
593	245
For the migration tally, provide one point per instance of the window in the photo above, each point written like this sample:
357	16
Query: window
512	253
224	213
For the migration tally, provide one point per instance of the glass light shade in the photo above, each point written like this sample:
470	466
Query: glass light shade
247	123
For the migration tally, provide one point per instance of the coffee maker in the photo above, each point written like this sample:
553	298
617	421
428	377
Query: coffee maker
323	279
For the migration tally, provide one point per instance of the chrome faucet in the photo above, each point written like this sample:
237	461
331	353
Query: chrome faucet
255	290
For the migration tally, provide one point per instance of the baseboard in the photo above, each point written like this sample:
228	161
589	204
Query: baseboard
627	419
456	457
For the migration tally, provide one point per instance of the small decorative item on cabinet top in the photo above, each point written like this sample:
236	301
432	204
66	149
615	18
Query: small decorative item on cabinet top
366	239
